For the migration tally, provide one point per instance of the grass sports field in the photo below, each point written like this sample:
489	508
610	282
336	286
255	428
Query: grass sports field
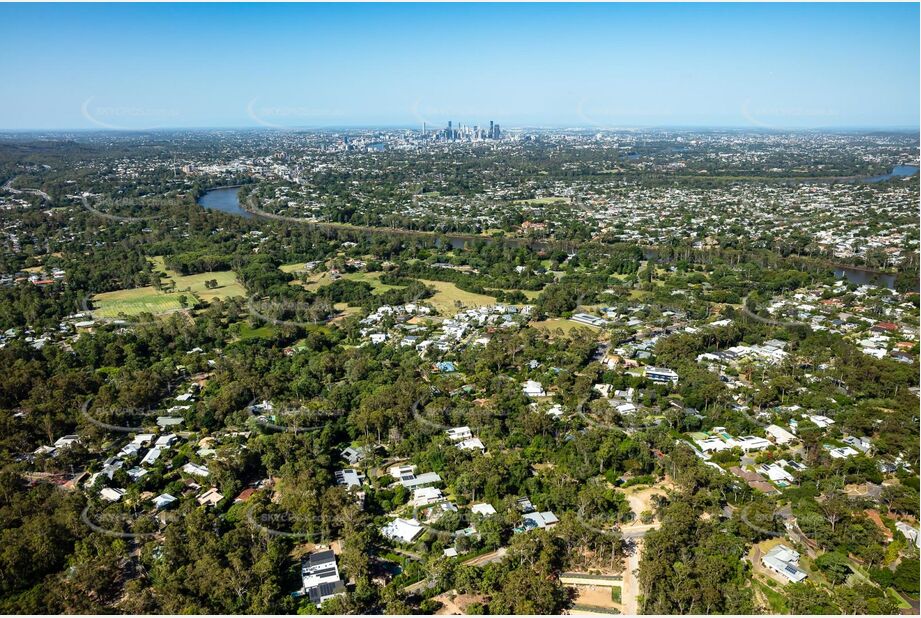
134	301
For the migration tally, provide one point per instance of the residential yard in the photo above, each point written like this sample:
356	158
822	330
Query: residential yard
766	589
595	596
640	496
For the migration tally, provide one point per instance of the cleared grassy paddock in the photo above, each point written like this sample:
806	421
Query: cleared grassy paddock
447	294
134	301
567	326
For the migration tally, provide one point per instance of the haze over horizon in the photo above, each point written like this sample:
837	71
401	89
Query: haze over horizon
138	67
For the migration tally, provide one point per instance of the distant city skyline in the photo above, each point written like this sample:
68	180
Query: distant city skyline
593	66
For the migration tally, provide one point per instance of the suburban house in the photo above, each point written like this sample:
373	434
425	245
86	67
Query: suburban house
195	469
424	496
587	319
779	434
912	534
402	530
483	509
776	473
459	433
407	477
354	455
320	576
110	494
785	562
660	374
211	497
471	444
545	519
533	389
163	500
350	478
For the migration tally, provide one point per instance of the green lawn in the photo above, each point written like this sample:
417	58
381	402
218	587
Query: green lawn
227	285
292	268
446	294
776	600
148	299
248	332
137	301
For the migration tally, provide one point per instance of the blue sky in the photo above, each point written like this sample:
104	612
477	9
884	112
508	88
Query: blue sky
612	65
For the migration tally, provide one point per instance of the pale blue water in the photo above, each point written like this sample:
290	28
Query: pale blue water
899	171
225	199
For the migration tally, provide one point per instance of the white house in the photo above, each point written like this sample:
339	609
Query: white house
166	440
163	500
775	472
483	509
320	577
533	389
424	496
660	374
110	494
195	469
402	530
65	441
779	434
545	519
350	478
712	445
354	455
471	444
752	443
459	433
841	452
821	421
784	561
912	534
142	439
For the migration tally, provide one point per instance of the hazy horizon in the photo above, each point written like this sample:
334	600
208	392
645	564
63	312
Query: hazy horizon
596	66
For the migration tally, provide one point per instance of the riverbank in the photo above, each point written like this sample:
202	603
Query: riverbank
228	201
